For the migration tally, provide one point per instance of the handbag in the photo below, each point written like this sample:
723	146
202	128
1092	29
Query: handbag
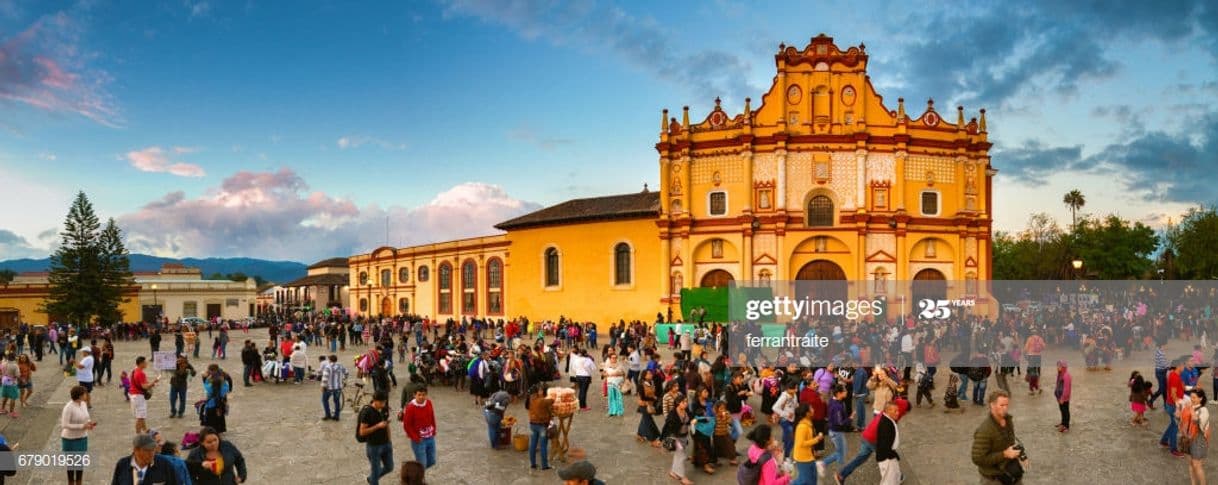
1012	472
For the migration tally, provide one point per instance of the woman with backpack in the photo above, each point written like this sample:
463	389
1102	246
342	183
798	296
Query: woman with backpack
216	386
764	456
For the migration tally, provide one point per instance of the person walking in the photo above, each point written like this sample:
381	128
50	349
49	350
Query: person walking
419	422
84	371
105	360
765	453
582	367
251	361
1198	433
76	424
676	431
374	433
614	376
541	411
299	360
333	375
25	378
994	442
887	442
178	382
784	408
215	461
1032	350
649	406
144	465
1062	392
1172	395
1161	370
806	437
139	389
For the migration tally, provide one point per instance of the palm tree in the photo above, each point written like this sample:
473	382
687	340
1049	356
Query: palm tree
1075	201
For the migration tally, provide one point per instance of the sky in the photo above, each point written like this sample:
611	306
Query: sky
305	130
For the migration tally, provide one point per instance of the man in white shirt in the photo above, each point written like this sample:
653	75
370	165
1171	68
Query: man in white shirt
84	372
634	365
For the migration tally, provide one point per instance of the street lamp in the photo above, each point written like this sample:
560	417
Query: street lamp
155	304
1078	265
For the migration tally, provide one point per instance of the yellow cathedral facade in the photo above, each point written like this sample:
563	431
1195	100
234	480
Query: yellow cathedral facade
822	181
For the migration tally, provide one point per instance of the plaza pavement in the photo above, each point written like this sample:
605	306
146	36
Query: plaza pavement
279	430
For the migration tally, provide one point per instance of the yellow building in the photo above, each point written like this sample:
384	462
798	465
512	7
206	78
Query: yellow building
21	301
823	181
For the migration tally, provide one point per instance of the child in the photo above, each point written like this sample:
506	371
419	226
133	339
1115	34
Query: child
125	385
925	384
949	397
1139	389
722	443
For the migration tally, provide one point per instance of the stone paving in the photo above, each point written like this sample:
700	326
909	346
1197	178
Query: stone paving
279	430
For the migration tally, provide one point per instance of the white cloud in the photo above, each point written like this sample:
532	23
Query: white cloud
276	215
356	141
154	159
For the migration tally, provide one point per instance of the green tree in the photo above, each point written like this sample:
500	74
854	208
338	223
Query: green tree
115	270
1039	252
74	277
238	276
6	276
1114	248
1193	242
1074	200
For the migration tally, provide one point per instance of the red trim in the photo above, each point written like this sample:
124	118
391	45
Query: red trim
489	261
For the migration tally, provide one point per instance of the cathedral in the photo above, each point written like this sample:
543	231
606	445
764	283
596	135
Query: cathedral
821	180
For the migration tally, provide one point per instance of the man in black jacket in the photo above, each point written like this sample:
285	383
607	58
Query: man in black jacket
251	360
144	465
888	439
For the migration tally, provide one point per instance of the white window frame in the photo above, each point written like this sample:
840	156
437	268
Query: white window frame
938	203
727	206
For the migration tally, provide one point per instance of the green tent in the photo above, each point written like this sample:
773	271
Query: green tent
713	300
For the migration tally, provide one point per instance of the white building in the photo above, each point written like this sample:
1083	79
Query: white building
177	292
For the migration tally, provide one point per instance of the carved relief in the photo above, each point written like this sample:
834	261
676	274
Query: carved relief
886	242
728	167
799	177
764	244
881	166
765	167
942	169
845	178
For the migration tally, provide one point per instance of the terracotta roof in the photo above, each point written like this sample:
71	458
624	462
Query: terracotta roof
626	206
320	280
330	263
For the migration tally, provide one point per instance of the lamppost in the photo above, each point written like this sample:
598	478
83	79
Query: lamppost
1077	263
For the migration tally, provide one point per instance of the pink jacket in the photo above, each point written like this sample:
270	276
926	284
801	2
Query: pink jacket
769	470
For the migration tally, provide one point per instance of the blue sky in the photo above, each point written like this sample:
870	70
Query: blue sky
293	130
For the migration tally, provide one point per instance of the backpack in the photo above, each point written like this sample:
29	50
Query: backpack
358	438
871	432
749	473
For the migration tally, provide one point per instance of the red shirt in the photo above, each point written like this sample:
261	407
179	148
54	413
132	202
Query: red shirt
1175	387
285	348
138	381
419	420
810	396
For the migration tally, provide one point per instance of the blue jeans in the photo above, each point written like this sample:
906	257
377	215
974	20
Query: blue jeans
249	370
865	451
425	451
805	473
177	401
788	436
1161	389
333	345
979	391
335	395
839	448
860	411
737	430
381	459
300	372
1169	435
493	421
963	394
538	439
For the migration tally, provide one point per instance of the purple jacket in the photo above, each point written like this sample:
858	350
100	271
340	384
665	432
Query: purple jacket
838	419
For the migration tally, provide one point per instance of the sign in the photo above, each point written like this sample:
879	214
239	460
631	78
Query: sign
165	360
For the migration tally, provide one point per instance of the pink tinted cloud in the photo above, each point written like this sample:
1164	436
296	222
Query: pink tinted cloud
45	67
154	159
276	215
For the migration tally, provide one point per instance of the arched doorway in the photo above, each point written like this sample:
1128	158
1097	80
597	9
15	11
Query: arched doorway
829	278
716	279
386	307
929	284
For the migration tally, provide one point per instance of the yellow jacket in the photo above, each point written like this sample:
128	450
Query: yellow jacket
804	441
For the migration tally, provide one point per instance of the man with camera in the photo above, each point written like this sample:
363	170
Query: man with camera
998	454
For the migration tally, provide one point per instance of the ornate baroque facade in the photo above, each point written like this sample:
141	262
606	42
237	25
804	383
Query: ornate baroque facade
821	181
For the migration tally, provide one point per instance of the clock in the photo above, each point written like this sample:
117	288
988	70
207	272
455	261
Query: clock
794	94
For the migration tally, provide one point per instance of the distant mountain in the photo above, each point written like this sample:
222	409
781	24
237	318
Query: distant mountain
274	271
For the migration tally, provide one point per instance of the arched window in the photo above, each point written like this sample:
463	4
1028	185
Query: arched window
386	278
446	288
403	306
621	264
363	278
469	287
552	267
494	286
404	274
820	211
424	274
363	305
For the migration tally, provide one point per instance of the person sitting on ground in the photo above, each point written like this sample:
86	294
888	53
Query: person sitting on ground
579	473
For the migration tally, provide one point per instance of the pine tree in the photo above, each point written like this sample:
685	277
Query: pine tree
74	277
114	269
